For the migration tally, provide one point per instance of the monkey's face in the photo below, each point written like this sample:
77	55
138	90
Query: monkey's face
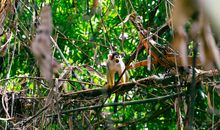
115	62
115	57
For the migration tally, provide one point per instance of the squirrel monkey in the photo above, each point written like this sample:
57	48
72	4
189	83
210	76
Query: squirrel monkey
115	64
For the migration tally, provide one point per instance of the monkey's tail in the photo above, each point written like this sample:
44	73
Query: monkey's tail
115	101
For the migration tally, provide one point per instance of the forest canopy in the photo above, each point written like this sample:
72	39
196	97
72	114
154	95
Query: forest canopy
58	59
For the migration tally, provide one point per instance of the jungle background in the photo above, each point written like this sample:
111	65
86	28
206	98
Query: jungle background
178	91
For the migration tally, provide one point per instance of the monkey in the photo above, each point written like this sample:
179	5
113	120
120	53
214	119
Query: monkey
41	45
115	65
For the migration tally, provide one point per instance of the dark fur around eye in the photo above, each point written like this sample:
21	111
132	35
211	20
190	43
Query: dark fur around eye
115	55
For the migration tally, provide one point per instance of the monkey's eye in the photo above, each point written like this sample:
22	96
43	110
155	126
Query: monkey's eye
116	56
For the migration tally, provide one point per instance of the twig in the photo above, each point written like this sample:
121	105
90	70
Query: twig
9	70
4	96
78	48
55	44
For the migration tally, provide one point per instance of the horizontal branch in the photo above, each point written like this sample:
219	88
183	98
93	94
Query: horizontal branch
149	100
152	80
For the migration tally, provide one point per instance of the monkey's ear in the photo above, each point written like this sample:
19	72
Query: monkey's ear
122	55
110	57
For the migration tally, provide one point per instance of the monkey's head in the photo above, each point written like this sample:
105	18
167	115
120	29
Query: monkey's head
114	56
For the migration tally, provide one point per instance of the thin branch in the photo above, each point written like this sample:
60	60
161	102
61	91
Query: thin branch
55	44
161	98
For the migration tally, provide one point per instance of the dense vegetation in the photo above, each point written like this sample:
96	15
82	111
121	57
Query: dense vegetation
85	32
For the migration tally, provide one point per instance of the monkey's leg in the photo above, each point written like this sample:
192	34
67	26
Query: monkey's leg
110	79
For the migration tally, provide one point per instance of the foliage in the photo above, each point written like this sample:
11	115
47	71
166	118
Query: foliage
85	40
